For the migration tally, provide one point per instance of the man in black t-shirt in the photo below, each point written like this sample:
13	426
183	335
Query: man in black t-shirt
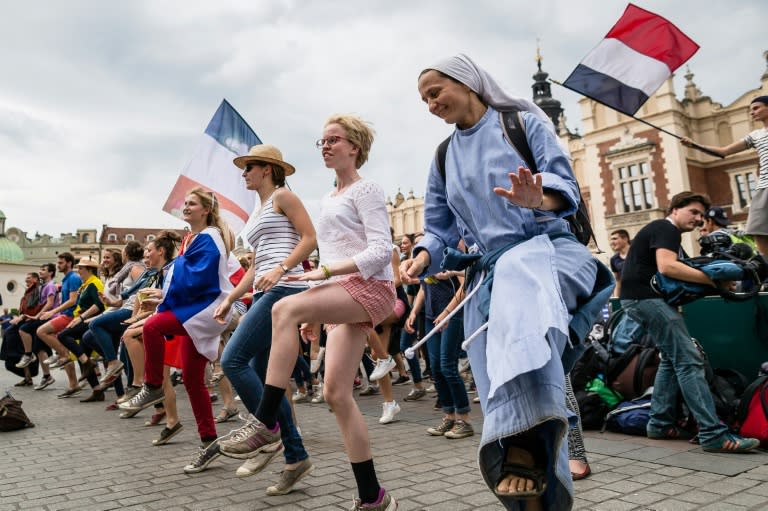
657	247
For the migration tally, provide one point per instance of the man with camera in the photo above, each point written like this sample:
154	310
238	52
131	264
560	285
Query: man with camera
657	248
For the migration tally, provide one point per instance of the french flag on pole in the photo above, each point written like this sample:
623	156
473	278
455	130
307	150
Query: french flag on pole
630	64
211	167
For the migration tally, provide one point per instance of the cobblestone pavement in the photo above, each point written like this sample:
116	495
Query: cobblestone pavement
81	457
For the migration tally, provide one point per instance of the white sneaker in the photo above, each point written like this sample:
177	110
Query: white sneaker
315	364
383	367
52	359
317	391
26	360
299	397
389	410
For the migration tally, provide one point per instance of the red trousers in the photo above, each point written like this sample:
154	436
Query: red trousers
193	363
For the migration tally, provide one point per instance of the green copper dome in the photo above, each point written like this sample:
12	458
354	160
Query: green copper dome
10	252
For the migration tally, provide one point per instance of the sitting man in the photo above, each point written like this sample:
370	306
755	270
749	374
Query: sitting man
657	248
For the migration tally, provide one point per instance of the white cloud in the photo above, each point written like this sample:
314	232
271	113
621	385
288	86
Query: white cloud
102	104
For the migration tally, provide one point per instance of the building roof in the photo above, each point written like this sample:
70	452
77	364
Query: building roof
122	235
10	252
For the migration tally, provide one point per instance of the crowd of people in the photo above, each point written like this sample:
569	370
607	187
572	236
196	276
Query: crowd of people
496	265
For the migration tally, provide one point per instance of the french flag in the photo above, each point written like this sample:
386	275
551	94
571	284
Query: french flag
630	64
196	284
211	167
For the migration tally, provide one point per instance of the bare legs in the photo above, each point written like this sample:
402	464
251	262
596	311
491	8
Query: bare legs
329	304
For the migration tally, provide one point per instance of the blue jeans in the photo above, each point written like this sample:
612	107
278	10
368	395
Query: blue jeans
107	329
301	374
244	361
444	349
681	370
406	341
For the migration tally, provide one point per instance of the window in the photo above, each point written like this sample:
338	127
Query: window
112	237
150	237
634	185
743	183
11	286
86	238
129	237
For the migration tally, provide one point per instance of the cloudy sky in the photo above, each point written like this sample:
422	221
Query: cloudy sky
102	103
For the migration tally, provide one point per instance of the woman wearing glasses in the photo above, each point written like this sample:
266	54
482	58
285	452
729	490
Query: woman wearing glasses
282	236
356	250
542	277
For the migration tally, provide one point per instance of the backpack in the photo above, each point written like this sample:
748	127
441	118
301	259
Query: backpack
630	417
12	417
514	129
721	270
592	409
634	371
752	412
593	361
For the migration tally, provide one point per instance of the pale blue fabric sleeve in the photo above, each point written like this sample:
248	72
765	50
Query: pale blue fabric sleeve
552	162
440	229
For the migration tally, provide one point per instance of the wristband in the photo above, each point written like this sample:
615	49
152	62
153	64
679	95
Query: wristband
326	271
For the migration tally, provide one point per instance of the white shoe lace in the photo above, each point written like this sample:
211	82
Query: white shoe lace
244	432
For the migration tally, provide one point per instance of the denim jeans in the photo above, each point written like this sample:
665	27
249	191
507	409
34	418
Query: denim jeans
107	329
406	341
301	374
681	370
244	361
444	348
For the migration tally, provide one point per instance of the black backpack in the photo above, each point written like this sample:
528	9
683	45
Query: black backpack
515	134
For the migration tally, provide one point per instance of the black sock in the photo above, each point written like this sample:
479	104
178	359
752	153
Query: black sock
28	353
153	387
207	441
270	402
367	485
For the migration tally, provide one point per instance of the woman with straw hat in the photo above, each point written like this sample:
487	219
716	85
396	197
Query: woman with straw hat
282	236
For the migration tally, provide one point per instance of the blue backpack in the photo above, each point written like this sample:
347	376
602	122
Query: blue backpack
629	417
722	271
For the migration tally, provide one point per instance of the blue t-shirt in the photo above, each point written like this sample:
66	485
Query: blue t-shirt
70	284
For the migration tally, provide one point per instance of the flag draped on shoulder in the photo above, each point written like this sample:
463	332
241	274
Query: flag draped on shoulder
197	282
211	167
636	56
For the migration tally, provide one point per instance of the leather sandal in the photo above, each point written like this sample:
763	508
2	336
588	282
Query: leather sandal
536	473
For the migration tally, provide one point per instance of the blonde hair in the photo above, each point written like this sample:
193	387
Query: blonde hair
209	201
359	134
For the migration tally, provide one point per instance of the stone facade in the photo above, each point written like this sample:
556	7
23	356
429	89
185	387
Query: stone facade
630	171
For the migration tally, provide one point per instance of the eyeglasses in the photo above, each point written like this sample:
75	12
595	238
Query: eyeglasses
249	166
332	140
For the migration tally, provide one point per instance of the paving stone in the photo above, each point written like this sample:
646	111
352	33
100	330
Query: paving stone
108	463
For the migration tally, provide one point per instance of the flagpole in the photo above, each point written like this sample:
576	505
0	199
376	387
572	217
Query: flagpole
694	145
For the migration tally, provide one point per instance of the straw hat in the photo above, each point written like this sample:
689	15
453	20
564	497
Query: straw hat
87	261
265	153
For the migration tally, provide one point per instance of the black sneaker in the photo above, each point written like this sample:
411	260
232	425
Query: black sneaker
203	457
401	379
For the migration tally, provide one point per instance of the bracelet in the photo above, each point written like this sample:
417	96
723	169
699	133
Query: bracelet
326	271
540	206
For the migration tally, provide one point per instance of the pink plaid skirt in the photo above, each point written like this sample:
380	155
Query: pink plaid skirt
376	296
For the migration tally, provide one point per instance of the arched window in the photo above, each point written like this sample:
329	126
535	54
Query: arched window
129	237
151	237
111	237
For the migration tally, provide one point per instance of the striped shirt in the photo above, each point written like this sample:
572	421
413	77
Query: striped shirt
759	140
273	237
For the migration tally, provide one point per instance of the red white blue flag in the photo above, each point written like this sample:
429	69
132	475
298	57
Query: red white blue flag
211	167
638	54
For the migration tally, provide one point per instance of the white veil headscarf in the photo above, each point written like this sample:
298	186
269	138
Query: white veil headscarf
463	69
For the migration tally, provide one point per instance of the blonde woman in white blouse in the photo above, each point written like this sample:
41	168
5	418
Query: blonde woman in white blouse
355	250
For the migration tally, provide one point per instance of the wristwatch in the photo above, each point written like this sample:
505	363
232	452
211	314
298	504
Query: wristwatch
284	267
